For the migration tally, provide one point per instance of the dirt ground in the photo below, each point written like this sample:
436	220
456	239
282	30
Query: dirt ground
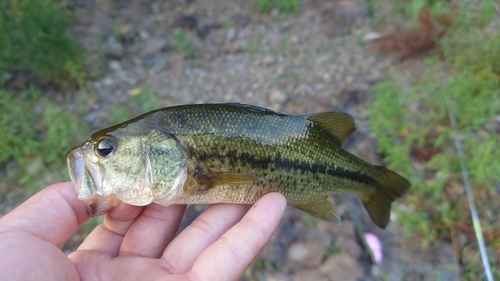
311	61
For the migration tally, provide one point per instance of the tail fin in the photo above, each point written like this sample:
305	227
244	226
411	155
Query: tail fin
392	186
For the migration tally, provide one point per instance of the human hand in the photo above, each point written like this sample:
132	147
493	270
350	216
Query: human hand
133	243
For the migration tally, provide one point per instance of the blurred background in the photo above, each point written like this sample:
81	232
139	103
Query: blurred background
71	67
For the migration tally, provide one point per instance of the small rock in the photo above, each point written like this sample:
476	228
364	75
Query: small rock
231	34
303	255
240	21
144	34
108	81
342	267
371	36
310	275
280	69
269	60
349	79
346	228
101	23
277	96
115	66
115	49
352	97
275	276
349	245
126	32
153	45
203	31
156	61
7	76
186	21
326	77
374	75
232	48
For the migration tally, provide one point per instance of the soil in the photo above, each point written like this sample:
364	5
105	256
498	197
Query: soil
314	60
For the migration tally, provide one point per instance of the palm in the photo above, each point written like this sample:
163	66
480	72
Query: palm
136	243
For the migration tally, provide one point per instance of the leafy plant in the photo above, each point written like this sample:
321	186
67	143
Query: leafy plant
183	42
283	6
36	134
34	39
414	134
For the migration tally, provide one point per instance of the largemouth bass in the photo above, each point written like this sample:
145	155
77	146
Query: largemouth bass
229	153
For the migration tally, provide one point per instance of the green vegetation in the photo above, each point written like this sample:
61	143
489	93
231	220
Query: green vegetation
36	134
183	42
285	47
141	101
415	136
333	249
289	74
309	221
252	46
227	24
273	265
87	227
34	39
282	6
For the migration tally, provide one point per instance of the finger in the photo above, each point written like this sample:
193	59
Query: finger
120	218
229	256
201	233
52	214
152	231
123	268
107	237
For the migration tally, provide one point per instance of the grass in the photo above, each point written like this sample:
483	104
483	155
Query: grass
415	136
182	42
227	24
284	47
333	249
252	46
282	6
34	39
36	134
289	74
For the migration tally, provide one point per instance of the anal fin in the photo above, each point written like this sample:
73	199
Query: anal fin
321	208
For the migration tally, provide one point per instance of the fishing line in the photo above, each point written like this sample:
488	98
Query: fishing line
470	196
467	185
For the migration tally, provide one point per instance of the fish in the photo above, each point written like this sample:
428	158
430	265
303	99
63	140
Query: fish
230	153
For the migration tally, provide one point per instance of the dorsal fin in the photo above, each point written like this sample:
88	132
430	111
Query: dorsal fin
339	124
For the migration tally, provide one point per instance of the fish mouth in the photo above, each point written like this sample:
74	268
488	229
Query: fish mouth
87	179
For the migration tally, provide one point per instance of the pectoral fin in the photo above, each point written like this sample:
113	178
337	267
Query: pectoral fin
321	208
211	180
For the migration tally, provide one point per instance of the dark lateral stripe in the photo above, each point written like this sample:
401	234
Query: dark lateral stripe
278	162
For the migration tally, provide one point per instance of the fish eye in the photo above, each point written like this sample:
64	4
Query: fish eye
105	147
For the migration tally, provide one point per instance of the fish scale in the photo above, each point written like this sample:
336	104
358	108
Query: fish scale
233	153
